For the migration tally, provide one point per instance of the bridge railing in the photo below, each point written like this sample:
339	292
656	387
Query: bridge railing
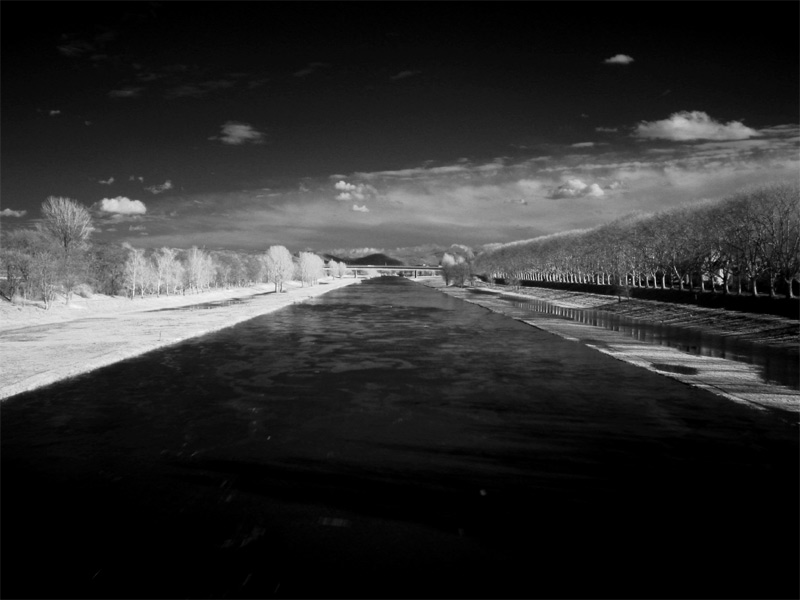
413	271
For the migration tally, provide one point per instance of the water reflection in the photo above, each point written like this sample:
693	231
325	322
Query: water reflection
778	366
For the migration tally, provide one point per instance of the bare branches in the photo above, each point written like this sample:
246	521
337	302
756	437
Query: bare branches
66	221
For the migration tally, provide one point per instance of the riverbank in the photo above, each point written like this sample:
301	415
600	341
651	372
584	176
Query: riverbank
39	347
736	381
770	330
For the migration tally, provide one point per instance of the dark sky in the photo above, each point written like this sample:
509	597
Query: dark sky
324	125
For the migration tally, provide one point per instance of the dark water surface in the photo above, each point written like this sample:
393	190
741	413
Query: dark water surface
776	365
386	440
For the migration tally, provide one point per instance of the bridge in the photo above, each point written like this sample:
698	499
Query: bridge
411	271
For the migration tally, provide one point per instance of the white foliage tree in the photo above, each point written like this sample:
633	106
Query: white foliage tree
278	266
333	268
310	268
199	269
135	267
164	260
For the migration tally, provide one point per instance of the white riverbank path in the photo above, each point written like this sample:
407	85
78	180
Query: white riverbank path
737	381
37	349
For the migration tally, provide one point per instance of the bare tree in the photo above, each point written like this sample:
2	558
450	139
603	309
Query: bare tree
45	271
66	221
69	225
16	254
32	264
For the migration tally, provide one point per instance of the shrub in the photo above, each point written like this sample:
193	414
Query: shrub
84	291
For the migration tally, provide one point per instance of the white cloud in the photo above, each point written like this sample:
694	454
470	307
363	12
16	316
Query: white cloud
135	177
404	74
53	113
344	186
694	125
606	129
157	189
137	228
575	188
75	48
466	203
108	181
130	92
583	145
619	59
595	190
7	212
199	90
414	172
236	134
310	68
122	206
354	192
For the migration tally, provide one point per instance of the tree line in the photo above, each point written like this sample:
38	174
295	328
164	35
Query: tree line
748	243
57	257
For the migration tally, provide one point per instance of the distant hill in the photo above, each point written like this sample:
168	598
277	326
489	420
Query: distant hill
427	254
371	259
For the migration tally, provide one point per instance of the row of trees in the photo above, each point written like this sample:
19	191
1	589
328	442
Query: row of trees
746	241
57	257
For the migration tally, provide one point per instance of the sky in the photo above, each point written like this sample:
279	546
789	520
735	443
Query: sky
383	125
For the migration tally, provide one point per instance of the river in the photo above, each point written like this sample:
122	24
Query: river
386	440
